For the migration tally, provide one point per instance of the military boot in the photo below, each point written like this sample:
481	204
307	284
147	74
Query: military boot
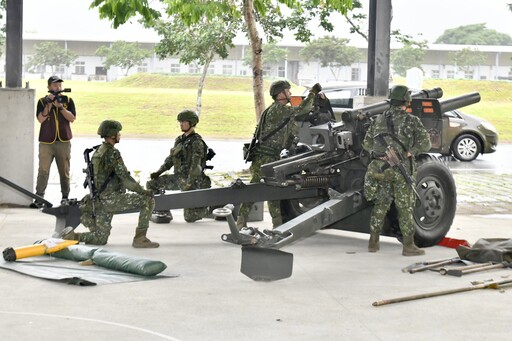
141	241
373	244
410	249
69	234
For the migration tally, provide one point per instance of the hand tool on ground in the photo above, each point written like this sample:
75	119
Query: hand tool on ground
490	285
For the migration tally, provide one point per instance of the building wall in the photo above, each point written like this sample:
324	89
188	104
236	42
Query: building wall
437	64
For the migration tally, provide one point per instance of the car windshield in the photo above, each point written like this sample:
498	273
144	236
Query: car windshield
340	99
452	114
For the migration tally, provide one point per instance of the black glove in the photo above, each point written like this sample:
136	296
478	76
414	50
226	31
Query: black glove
154	175
316	88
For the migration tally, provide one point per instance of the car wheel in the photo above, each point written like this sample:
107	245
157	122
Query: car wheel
466	147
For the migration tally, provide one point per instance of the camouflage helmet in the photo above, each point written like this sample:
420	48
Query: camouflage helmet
278	86
399	94
109	128
188	115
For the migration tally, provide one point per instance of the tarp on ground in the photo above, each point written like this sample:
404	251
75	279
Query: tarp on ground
496	250
70	272
103	267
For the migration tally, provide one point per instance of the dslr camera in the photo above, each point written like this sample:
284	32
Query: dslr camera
57	95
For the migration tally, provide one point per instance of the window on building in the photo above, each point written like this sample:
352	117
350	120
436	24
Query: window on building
354	74
227	70
434	74
243	72
142	67
60	69
175	68
211	69
100	70
281	72
193	69
450	74
468	74
80	68
267	71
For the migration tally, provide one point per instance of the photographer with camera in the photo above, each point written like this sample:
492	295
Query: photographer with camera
55	112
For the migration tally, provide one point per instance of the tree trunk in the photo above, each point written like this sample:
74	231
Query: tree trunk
257	66
200	86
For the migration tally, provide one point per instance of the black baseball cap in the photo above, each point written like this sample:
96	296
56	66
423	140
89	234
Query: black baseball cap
54	79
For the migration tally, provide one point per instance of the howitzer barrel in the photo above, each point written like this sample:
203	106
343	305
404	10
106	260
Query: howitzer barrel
380	107
459	101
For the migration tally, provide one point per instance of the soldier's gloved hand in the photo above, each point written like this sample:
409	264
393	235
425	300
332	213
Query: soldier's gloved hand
316	88
154	175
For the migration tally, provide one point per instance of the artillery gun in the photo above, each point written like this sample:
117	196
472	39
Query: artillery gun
323	187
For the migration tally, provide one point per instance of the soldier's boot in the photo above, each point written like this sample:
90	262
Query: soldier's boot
69	234
373	244
410	249
141	241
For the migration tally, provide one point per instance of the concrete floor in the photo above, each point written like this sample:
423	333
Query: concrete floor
328	297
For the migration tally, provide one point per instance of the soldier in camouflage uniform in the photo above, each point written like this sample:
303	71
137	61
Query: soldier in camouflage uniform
188	157
112	179
383	184
276	131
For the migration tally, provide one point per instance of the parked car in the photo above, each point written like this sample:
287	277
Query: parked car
466	136
469	136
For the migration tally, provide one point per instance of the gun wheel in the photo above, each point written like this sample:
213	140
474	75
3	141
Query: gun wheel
434	214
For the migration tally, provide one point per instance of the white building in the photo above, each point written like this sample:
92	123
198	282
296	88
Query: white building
89	67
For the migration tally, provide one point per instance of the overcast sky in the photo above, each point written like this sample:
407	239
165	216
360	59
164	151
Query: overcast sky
72	19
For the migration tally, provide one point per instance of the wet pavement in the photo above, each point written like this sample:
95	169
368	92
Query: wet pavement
483	186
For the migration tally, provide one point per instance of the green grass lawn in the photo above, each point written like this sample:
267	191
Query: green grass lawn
147	104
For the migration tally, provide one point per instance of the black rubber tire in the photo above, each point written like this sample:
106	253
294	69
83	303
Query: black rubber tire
466	147
434	214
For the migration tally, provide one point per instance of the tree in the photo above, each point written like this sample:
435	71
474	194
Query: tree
407	57
466	59
123	54
476	34
331	52
195	44
257	14
51	54
271	55
2	29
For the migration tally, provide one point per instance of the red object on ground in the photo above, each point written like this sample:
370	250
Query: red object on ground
453	243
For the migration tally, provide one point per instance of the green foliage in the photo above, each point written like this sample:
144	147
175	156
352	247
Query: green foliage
331	52
271	55
119	11
406	58
476	34
51	54
123	54
198	42
466	59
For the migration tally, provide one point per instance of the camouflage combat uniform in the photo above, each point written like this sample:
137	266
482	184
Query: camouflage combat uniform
188	157
109	168
270	149
384	184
